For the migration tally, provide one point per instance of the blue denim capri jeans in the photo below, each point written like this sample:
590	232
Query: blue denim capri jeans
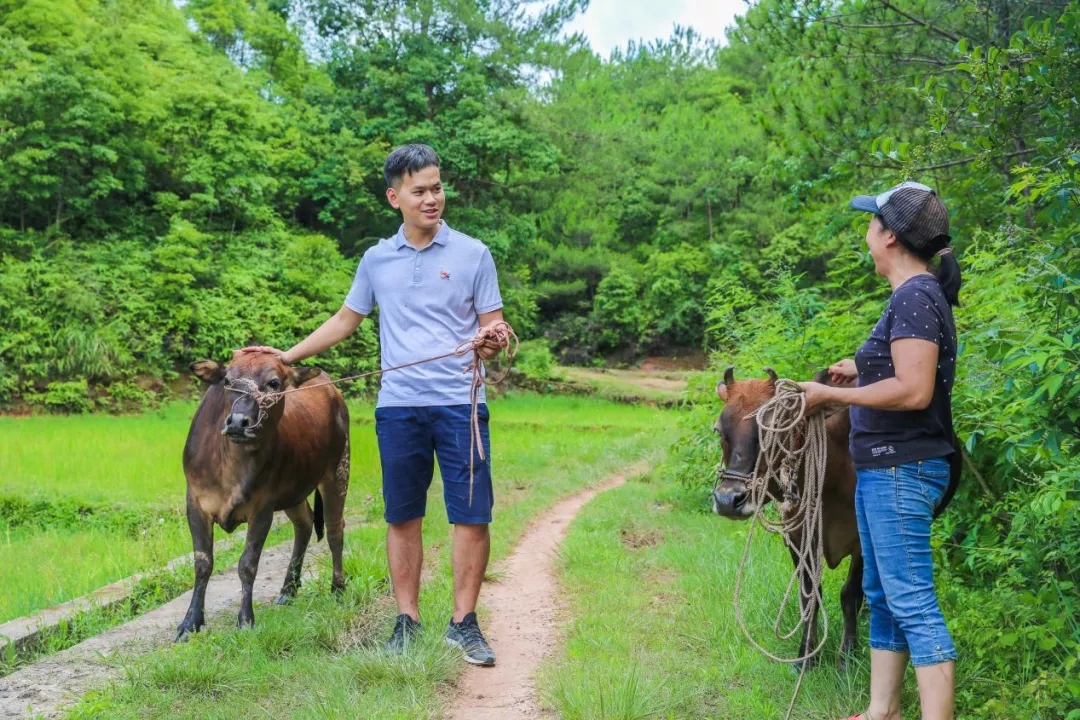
894	507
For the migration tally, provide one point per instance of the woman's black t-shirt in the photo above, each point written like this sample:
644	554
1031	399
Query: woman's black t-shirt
883	438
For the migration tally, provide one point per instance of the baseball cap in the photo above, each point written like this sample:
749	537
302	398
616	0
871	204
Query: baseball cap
914	212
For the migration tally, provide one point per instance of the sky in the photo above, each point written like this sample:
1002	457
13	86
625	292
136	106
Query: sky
612	23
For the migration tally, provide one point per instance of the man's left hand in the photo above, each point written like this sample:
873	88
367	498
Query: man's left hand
489	348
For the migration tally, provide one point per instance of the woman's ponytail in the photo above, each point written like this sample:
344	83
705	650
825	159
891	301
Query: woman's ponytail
948	276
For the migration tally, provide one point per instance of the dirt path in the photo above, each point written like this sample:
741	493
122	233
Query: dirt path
45	688
523	607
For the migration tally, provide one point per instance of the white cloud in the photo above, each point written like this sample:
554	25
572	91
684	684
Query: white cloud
613	23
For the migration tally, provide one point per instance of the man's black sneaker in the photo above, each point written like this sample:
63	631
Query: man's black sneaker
467	636
405	632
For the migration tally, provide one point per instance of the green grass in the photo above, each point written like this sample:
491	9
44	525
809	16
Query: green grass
124	474
318	657
650	580
667	388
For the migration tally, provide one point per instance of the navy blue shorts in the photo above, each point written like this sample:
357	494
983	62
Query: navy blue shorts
410	438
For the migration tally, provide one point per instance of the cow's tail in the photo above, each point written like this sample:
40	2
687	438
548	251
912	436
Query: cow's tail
956	466
319	522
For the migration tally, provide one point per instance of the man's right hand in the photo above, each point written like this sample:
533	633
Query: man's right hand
282	356
844	373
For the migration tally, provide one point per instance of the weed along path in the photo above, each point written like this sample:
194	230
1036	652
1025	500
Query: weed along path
523	608
45	688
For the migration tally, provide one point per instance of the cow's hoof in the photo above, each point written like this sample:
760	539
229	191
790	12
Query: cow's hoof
283	599
245	622
337	587
185	631
797	666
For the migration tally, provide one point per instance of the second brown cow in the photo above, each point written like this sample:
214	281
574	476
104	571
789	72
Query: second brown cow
738	431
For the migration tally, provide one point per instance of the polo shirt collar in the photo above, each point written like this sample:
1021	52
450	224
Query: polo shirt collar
441	238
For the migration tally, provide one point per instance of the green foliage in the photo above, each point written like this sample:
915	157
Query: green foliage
617	308
535	359
68	396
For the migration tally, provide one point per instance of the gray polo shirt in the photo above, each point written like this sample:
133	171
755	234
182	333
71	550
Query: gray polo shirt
428	302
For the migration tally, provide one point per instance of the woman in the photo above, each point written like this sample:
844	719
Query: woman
900	386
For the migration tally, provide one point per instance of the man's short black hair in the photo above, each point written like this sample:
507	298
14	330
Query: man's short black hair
408	159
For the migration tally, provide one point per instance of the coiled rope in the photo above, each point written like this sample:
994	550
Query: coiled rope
792	444
499	334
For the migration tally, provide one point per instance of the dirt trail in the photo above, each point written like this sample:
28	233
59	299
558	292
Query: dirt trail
524	607
45	688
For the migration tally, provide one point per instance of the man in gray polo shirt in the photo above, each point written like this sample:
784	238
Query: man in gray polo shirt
434	287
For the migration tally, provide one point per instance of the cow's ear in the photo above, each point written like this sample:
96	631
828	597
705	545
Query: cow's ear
208	371
721	391
822	377
301	374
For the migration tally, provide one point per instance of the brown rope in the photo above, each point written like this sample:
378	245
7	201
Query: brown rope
498	333
792	444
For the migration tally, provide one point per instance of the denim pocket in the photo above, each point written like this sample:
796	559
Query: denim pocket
933	479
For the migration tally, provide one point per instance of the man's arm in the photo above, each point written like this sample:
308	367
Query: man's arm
341	325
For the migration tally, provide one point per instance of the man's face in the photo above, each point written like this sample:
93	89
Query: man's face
419	197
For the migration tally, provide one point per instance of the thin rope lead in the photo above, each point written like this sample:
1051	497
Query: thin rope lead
499	333
792	445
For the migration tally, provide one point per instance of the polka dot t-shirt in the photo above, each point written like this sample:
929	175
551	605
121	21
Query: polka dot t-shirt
884	438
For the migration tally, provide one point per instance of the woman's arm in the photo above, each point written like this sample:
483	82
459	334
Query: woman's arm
915	363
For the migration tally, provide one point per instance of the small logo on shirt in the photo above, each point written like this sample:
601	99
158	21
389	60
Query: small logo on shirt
883	450
444	275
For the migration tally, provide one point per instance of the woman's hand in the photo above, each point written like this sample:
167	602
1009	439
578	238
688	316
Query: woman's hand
817	396
844	373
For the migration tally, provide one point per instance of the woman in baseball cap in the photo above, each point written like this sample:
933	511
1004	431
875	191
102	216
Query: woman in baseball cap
899	387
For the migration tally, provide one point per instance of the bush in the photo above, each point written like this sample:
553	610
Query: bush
70	396
536	360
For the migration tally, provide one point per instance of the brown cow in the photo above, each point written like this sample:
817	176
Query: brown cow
738	431
244	462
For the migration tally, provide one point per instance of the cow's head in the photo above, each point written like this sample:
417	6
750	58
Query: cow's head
738	429
251	383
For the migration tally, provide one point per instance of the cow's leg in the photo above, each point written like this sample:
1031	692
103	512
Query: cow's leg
333	499
851	600
201	526
303	522
258	529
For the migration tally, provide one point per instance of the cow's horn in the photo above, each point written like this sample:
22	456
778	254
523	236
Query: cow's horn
729	375
772	374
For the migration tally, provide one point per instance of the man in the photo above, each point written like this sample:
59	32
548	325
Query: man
435	288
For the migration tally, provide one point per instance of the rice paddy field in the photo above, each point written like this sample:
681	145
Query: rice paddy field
88	500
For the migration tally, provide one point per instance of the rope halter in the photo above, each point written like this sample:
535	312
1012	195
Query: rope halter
264	401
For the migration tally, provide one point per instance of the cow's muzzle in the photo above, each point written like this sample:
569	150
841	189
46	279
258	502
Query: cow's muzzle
729	498
239	428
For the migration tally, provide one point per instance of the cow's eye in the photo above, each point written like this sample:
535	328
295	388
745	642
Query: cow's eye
274	385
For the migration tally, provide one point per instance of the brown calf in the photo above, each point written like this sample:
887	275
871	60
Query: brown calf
738	431
244	462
